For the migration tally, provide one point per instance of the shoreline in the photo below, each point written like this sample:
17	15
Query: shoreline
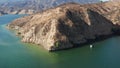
89	41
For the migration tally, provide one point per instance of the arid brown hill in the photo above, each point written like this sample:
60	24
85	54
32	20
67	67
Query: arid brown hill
69	25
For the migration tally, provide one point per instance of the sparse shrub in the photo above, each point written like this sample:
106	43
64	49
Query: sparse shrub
57	44
19	33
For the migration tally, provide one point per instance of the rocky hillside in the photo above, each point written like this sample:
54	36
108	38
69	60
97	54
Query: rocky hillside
69	25
33	6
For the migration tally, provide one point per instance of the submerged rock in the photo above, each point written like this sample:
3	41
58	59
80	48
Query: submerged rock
69	25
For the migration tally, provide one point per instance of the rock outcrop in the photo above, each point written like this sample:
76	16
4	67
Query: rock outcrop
69	25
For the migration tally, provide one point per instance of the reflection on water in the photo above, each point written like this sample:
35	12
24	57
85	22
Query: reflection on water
15	54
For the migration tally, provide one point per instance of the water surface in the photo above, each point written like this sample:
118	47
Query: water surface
15	54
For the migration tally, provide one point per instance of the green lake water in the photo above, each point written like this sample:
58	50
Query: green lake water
15	54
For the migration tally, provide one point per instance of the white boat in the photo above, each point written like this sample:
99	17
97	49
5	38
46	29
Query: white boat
91	46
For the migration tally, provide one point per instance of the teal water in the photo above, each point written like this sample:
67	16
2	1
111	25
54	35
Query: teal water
15	54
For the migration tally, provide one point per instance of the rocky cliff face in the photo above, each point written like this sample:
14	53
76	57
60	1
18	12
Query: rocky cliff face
69	25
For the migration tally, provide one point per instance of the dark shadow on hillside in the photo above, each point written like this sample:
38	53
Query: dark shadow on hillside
81	26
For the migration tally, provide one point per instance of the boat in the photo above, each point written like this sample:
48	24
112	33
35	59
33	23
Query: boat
91	46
